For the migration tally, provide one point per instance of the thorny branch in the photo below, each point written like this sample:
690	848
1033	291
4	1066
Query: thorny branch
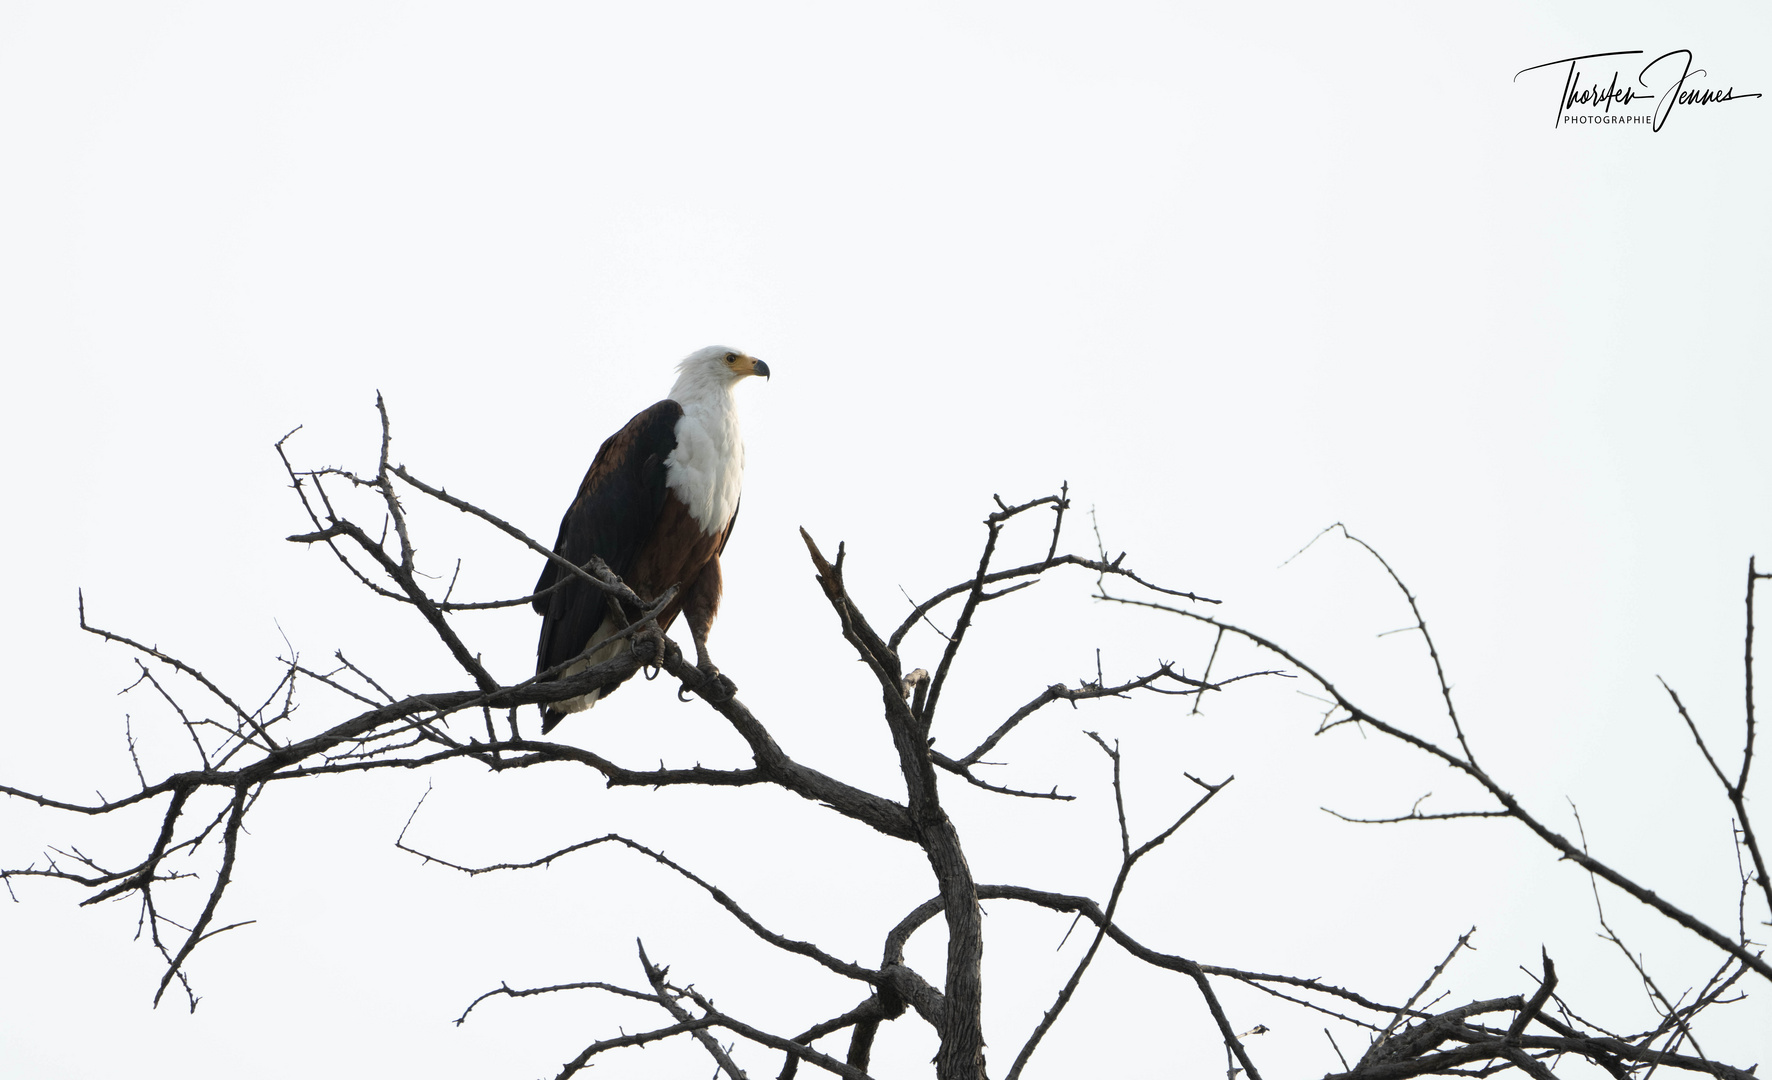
1128	859
1742	950
257	751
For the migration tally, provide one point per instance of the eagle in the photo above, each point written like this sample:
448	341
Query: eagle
657	506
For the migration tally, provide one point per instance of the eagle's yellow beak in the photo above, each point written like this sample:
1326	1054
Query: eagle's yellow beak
750	365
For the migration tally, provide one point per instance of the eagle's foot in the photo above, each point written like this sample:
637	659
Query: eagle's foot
648	645
713	685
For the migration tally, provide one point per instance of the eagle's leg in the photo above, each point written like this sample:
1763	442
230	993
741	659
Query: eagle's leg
699	607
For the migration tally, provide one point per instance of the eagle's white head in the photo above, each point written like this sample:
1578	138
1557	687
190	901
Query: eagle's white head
713	370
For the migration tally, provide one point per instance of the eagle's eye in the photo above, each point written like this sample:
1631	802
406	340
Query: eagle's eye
732	358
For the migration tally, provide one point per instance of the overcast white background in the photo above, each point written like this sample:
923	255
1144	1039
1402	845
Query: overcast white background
1233	275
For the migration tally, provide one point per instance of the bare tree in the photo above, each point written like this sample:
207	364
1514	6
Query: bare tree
202	811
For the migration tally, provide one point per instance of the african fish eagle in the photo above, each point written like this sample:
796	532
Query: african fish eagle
657	506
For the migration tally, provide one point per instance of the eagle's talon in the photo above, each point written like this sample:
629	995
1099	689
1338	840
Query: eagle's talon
712	685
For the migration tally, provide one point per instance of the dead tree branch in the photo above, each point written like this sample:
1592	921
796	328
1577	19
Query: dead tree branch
359	724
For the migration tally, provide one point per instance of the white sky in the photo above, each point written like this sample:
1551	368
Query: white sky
1233	275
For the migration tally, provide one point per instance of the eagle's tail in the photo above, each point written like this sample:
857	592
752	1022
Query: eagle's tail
599	650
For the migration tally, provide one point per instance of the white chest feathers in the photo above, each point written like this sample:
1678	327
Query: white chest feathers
706	468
